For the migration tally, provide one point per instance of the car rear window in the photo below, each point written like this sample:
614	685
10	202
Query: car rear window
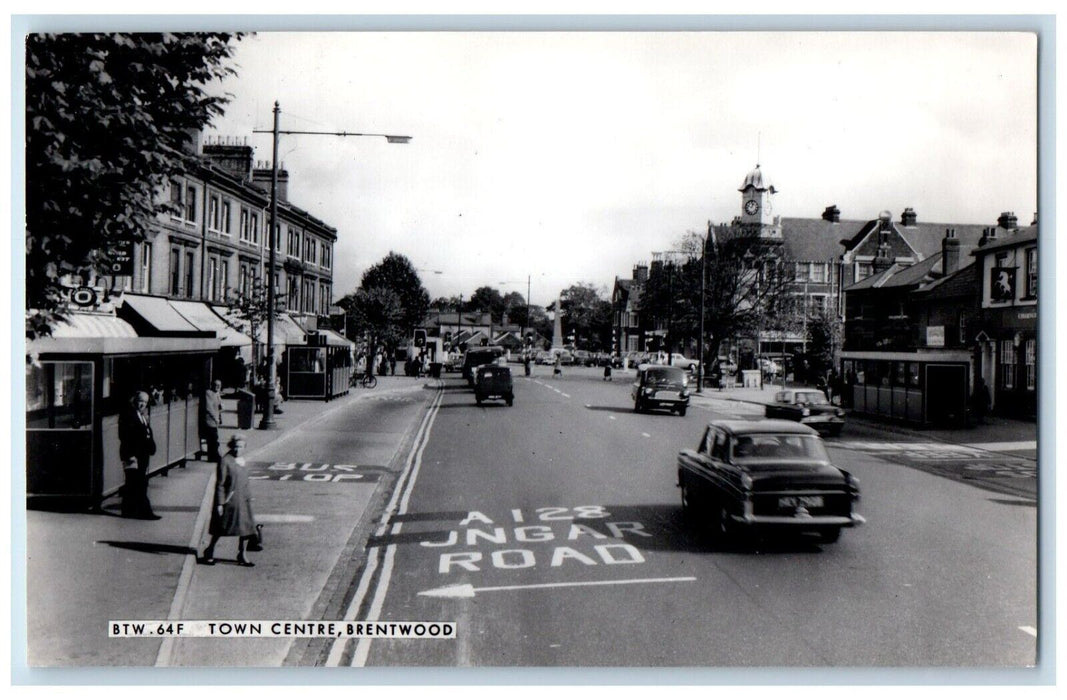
771	449
664	375
813	397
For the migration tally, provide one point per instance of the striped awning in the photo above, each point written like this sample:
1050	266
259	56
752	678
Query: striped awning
83	325
204	317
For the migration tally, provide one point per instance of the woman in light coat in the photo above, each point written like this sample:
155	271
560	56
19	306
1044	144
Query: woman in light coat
231	513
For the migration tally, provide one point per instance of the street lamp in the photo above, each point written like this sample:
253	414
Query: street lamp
268	409
703	279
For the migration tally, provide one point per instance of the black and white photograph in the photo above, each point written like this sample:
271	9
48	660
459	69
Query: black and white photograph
672	345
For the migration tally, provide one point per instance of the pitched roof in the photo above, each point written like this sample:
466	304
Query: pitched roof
961	283
1024	235
898	276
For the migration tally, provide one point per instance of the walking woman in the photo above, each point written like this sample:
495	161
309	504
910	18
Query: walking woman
231	514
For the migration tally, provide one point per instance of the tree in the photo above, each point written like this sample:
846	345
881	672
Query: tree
824	336
746	290
488	299
395	272
108	121
376	313
586	316
515	308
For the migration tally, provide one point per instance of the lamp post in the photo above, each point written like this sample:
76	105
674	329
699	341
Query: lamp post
268	409
700	338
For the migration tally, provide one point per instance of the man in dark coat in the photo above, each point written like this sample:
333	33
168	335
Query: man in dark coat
211	419
136	446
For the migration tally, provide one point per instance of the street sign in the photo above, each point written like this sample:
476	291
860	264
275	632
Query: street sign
121	258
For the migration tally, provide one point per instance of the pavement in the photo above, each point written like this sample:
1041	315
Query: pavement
85	556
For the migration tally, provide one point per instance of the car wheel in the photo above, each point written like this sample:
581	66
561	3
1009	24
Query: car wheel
681	411
478	399
510	400
689	510
718	524
835	431
638	407
830	536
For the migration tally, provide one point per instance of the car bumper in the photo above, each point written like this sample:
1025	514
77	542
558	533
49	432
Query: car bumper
823	422
792	522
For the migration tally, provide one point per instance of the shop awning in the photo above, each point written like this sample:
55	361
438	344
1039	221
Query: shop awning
102	334
286	331
203	317
154	316
334	338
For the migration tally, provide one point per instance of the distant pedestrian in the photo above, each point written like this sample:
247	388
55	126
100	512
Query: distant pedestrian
980	400
231	512
392	365
211	419
607	371
557	368
136	446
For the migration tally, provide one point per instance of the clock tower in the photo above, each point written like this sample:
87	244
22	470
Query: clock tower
757	206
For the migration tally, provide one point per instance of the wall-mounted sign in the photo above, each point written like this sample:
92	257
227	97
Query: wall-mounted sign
83	296
1002	283
935	336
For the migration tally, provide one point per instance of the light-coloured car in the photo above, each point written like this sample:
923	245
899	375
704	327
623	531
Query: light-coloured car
680	360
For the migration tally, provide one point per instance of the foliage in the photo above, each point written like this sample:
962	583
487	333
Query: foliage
254	309
824	336
487	299
746	289
108	118
396	273
586	316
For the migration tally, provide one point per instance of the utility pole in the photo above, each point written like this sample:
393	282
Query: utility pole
700	339
268	411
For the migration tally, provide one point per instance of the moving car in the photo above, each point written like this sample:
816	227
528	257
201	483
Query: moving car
658	386
766	476
453	362
476	357
494	381
807	406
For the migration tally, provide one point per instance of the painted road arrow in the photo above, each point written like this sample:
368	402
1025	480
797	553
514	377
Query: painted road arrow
466	590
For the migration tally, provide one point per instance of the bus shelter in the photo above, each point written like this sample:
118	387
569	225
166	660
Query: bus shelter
923	388
78	381
321	369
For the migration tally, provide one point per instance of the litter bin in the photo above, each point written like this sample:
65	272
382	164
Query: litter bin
435	370
246	404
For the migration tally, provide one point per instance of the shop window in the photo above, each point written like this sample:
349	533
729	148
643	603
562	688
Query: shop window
1030	359
1007	364
1031	273
913	374
59	396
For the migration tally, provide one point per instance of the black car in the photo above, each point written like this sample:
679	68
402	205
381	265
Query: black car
807	406
659	386
494	381
767	476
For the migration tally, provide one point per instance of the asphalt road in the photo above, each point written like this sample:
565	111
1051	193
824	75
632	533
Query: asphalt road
551	533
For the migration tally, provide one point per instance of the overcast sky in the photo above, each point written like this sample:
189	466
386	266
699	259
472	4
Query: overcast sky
568	157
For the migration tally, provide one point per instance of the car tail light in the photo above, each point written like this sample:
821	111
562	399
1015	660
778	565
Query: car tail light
805	412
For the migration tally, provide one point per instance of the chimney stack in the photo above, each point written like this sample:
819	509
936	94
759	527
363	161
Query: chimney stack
908	217
950	252
640	273
1007	220
235	158
989	235
832	214
261	176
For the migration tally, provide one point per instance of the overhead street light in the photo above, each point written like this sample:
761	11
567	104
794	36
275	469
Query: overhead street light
268	410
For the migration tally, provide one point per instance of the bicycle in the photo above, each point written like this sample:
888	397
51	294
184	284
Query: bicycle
365	380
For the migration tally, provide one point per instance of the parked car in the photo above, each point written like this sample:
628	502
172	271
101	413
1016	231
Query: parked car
679	360
453	362
476	357
494	381
658	386
807	406
769	476
581	357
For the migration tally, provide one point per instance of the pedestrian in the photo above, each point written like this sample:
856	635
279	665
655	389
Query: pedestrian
607	371
526	363
211	419
136	446
231	512
392	365
557	368
980	400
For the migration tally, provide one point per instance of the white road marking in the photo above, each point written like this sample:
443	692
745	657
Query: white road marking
1029	630
393	507
646	435
284	518
565	395
466	590
611	417
1003	446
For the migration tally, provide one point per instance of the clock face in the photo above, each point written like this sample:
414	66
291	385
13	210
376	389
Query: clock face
751	206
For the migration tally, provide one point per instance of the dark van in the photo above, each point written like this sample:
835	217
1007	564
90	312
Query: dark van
476	357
